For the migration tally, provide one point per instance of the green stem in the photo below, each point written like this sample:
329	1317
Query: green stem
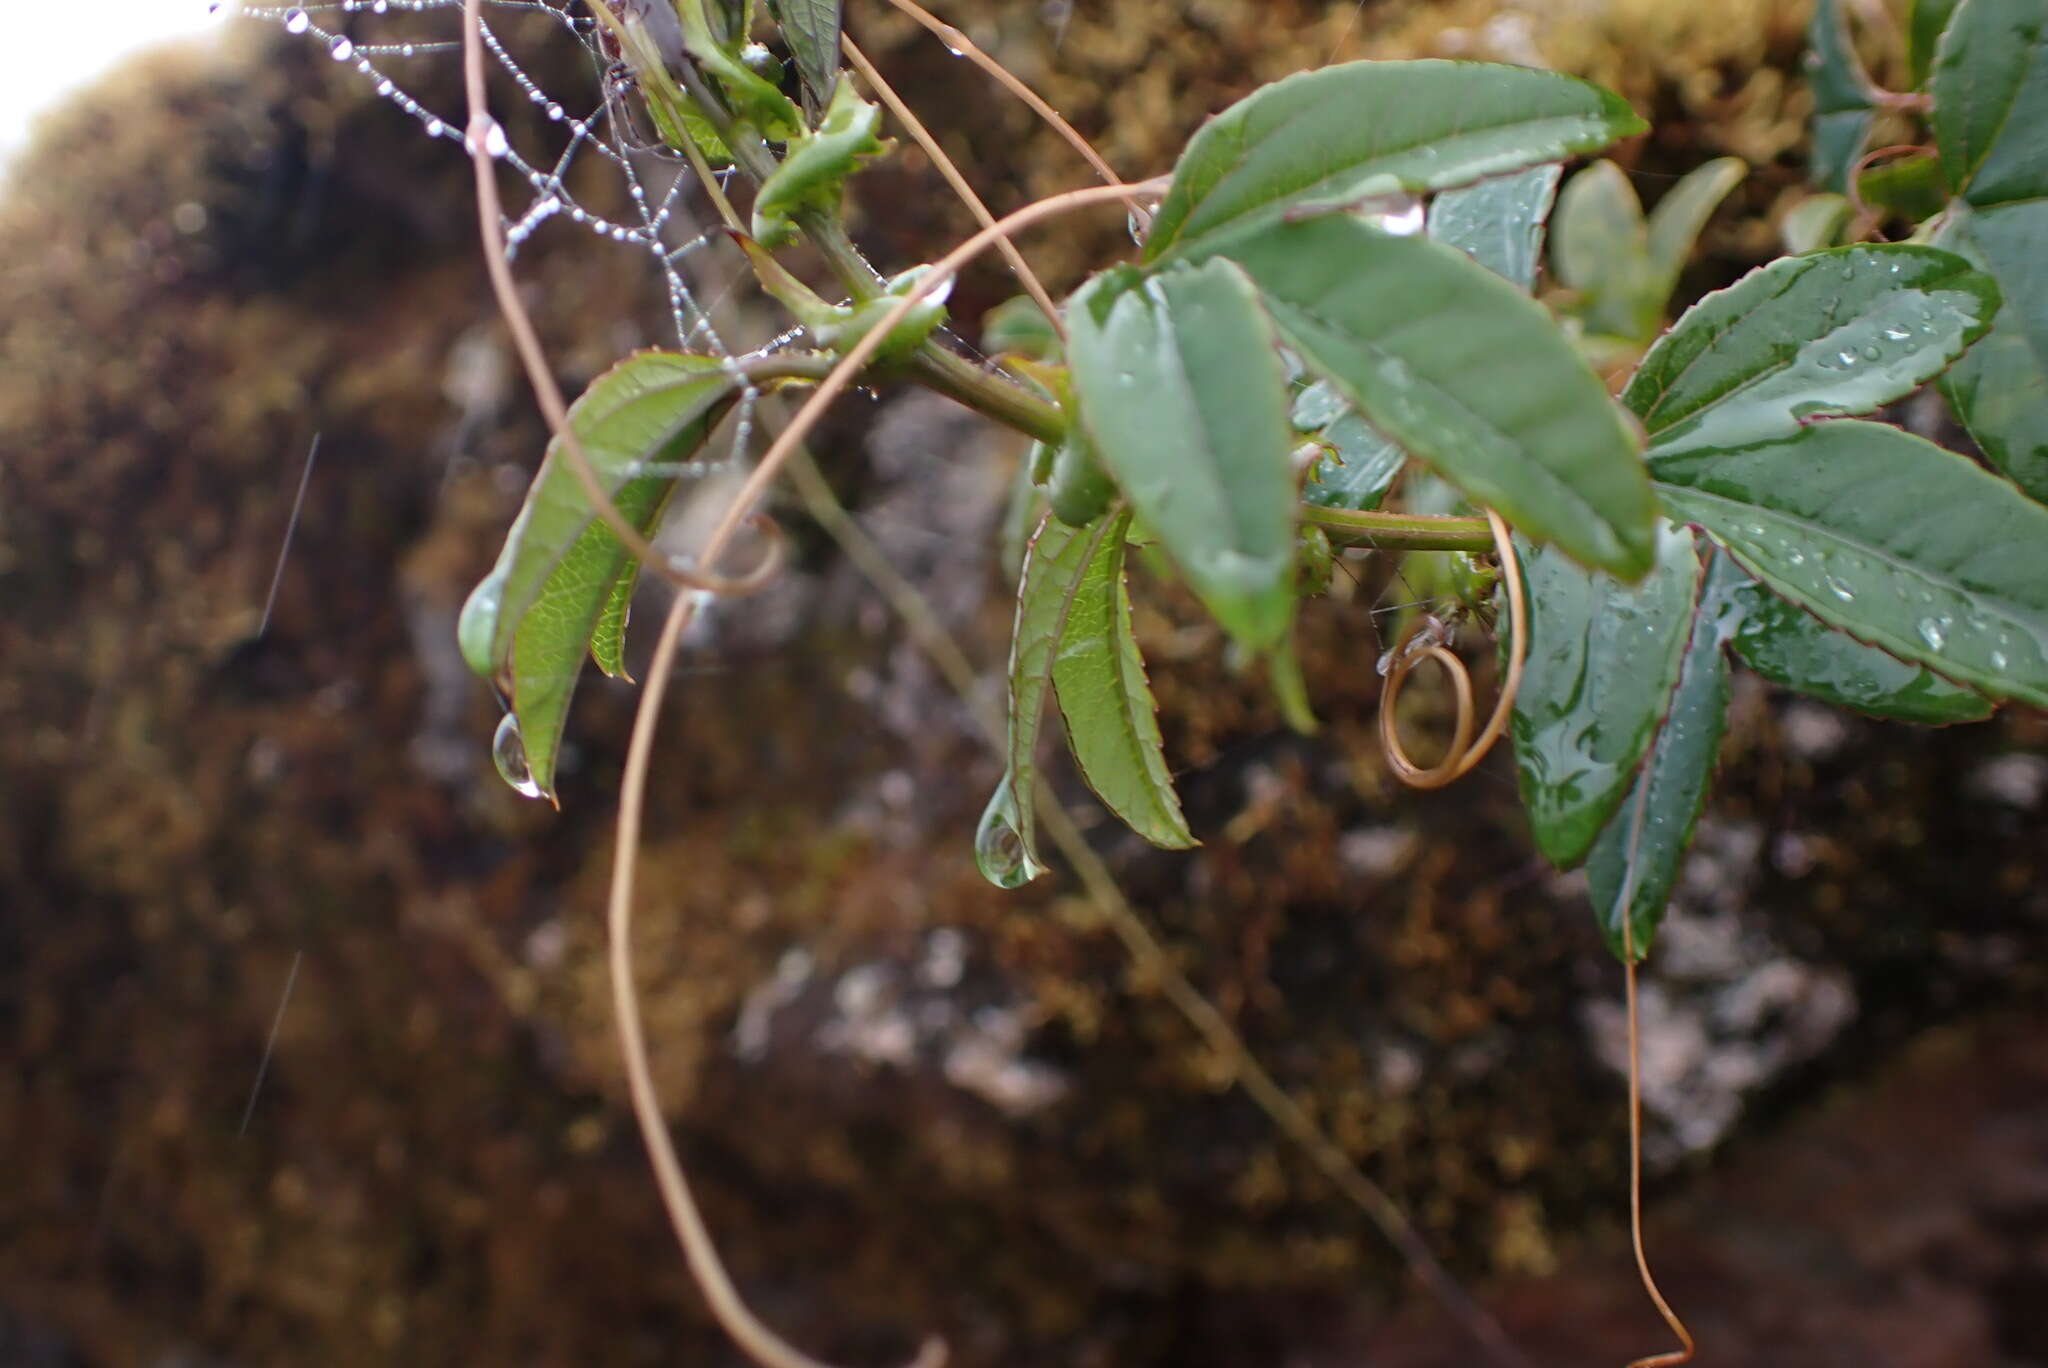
1400	531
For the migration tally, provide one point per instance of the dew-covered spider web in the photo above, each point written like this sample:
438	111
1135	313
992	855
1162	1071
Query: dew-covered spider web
642	204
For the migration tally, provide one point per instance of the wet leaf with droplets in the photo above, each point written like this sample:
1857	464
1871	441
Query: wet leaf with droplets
1337	135
1603	657
1055	564
1790	647
1466	373
1180	385
1836	332
1892	539
1499	221
527	625
1634	865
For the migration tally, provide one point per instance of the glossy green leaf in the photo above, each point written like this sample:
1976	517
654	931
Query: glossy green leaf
1681	216
1099	678
1990	88
1834	332
1466	373
811	28
1923	35
1603	657
814	168
1634	865
527	625
1006	842
1180	383
1499	221
1844	100
1361	464
1890	538
1816	223
1346	132
2011	242
1789	646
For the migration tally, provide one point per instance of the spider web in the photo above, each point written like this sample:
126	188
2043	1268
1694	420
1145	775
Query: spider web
386	41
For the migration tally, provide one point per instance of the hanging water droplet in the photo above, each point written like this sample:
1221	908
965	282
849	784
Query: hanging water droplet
296	20
1933	633
341	49
495	142
508	752
555	112
435	128
1000	849
385	87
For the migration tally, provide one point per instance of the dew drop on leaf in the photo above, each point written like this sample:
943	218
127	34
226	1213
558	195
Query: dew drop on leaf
1933	633
508	752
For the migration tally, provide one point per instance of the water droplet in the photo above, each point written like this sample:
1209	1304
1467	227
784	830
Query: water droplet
296	21
1897	334
1998	660
1000	850
385	87
1846	358
1871	353
508	752
494	139
435	128
555	112
1839	589
341	49
1933	633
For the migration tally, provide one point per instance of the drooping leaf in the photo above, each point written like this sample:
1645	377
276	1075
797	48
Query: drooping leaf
1834	332
652	409
1499	221
1890	538
1344	132
1990	88
1600	249
1923	35
811	28
1099	679
1844	100
1466	373
1180	384
1006	842
1603	657
1789	646
1634	865
1681	216
528	623
1361	465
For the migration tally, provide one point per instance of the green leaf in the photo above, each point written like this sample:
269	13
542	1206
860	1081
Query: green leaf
1634	865
1681	216
1789	646
1911	187
1844	100
1345	132
1834	332
1990	87
811	28
1180	384
1816	223
1099	678
2008	241
1600	248
528	623
2000	392
1006	842
608	636
1901	544
1360	465
1603	657
1499	221
1923	35
813	171
1466	373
